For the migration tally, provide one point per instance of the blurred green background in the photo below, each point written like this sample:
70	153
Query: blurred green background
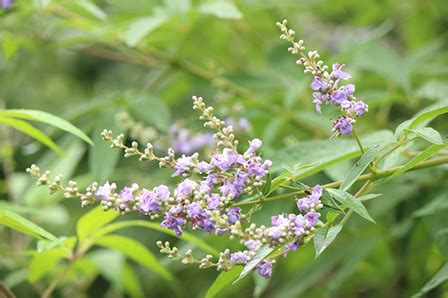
89	61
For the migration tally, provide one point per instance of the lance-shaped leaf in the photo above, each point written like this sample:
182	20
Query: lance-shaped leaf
261	254
224	279
351	202
324	237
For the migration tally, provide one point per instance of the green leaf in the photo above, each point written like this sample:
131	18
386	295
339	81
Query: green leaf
44	262
135	251
351	202
222	9
21	224
10	46
425	154
141	27
277	181
267	186
440	277
151	109
92	9
359	167
94	220
131	282
154	226
429	134
48	118
32	132
439	204
324	237
110	264
261	284
422	118
261	254
324	153
103	159
224	279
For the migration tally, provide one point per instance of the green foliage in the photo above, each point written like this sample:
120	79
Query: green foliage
86	61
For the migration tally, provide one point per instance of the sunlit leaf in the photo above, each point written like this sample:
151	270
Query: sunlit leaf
94	220
141	27
135	251
222	9
224	279
47	118
31	131
21	224
154	226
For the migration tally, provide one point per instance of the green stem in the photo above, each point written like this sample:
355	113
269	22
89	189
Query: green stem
369	176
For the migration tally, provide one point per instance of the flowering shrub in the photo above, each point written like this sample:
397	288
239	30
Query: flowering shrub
242	196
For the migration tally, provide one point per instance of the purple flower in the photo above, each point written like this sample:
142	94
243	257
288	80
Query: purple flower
360	108
279	220
342	95
316	192
148	202
240	257
234	215
312	218
183	164
319	99
234	187
105	191
252	244
337	72
291	246
227	159
343	125
213	201
185	188
194	210
274	232
319	84
254	145
203	167
127	194
220	232
299	224
302	205
173	222
6	3
265	268
162	192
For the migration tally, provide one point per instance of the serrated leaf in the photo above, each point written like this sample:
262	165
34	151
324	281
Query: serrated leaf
154	226
21	224
94	220
33	132
47	118
224	279
359	167
351	202
440	277
324	237
222	9
425	154
429	134
261	254
135	251
141	27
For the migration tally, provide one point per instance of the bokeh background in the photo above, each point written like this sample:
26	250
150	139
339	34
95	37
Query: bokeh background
132	66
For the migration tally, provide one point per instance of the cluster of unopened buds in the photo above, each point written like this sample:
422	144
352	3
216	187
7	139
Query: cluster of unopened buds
204	197
327	86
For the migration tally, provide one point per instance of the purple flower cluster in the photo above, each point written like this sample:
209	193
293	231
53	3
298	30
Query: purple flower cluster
203	202
327	91
289	230
182	140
